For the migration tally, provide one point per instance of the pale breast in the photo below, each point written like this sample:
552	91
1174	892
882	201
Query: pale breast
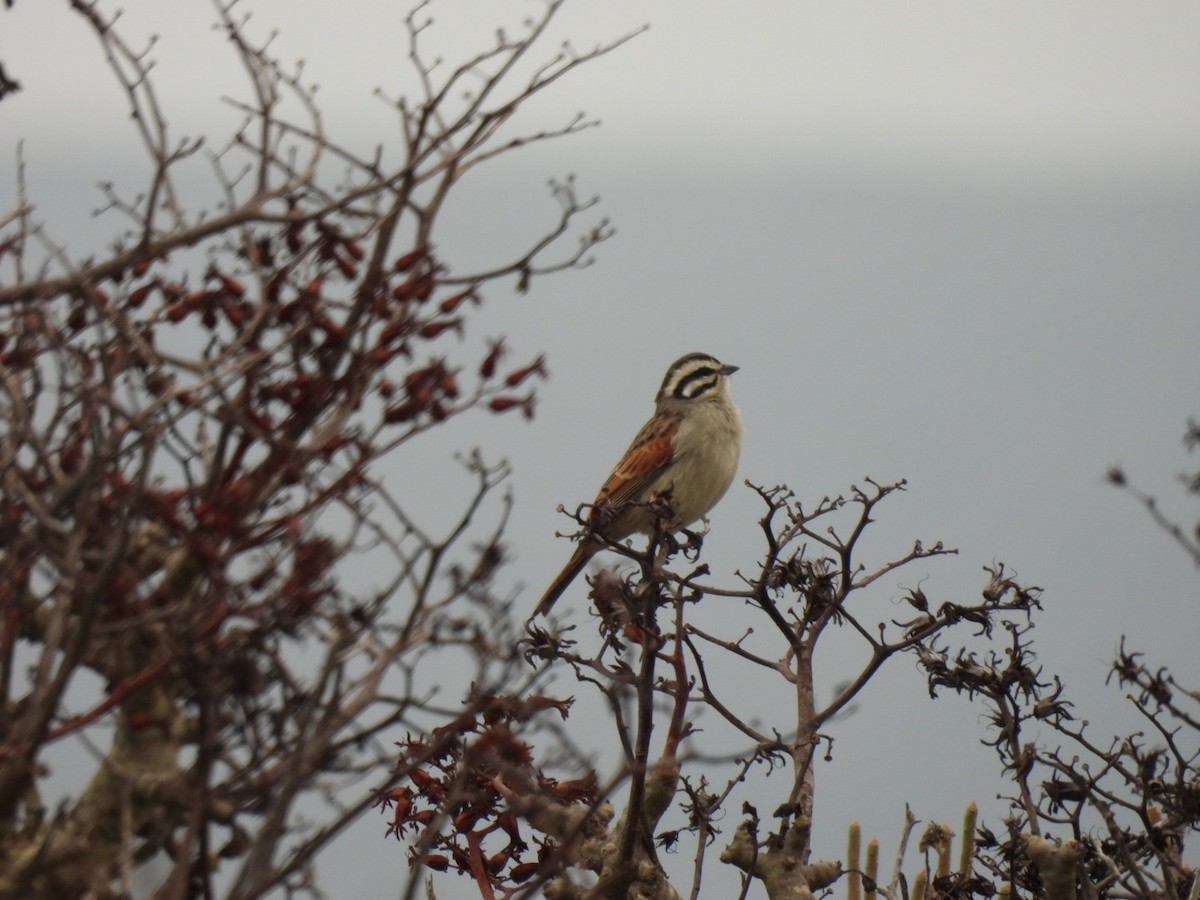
706	460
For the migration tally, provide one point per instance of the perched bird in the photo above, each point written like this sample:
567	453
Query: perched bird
689	448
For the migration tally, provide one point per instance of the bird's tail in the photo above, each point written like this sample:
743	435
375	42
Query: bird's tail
584	552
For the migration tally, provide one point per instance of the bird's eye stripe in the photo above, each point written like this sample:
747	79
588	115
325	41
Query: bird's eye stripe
696	383
692	377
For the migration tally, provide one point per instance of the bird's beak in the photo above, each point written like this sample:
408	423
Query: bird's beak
728	370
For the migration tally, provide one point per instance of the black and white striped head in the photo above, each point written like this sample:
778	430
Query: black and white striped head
696	376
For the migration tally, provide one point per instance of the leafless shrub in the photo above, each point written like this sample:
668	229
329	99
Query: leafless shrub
195	513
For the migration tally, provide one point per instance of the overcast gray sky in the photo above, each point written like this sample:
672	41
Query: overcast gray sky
953	242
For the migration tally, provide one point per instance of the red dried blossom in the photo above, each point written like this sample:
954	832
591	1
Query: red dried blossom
496	350
431	330
537	367
347	267
138	296
408	260
450	304
504	403
417	288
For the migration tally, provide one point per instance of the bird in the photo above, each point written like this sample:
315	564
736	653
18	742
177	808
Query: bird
688	450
